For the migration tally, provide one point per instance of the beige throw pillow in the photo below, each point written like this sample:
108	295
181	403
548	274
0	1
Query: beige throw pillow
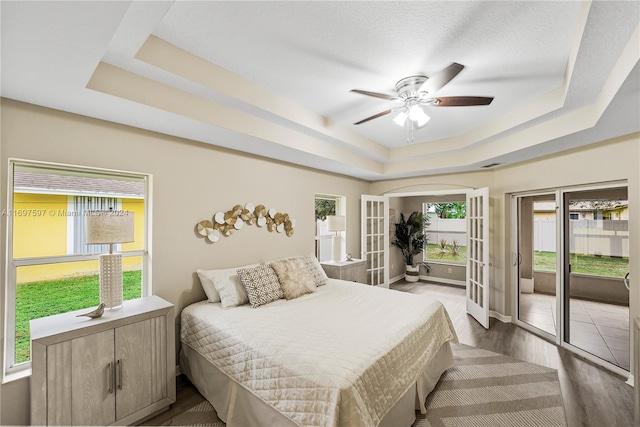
294	277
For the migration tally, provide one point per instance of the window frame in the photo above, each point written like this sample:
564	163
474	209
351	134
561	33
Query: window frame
341	209
425	211
11	370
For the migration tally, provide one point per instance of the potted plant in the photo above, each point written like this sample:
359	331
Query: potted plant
411	240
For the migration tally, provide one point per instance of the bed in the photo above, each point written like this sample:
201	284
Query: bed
346	354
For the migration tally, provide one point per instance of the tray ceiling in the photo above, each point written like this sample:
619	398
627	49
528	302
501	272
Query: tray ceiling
274	78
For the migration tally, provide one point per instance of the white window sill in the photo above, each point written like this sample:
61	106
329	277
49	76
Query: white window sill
17	375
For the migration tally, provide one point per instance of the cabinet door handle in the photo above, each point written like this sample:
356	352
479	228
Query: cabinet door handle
110	378
119	374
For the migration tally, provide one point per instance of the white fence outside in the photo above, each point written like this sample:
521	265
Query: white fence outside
590	237
447	229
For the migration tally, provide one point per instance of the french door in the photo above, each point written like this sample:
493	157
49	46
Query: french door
375	239
375	246
477	299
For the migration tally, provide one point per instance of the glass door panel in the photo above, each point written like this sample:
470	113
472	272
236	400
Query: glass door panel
596	263
536	262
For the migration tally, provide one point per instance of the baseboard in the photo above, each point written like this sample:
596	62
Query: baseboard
396	279
501	317
445	281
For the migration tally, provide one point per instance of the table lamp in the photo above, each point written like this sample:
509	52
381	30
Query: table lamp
110	227
336	223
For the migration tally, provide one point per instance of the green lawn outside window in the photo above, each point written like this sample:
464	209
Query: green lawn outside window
584	264
46	298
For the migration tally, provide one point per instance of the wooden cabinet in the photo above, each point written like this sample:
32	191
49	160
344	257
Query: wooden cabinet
114	370
352	271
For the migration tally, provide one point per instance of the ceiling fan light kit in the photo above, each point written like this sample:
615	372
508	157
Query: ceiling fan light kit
416	92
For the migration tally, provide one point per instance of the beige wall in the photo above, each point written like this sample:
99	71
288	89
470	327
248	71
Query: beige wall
607	161
191	181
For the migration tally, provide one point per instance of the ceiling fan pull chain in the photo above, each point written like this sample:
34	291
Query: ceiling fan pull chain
410	135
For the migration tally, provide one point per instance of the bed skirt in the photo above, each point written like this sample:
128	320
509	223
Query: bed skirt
237	406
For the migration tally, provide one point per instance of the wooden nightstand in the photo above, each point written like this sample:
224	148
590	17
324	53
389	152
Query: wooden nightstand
353	271
116	369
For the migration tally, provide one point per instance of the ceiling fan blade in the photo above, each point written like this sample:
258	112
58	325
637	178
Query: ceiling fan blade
441	78
460	101
375	94
375	116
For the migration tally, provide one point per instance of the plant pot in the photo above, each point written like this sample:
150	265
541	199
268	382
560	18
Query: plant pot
412	273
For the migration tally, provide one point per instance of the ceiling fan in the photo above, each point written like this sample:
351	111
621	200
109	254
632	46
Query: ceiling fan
414	92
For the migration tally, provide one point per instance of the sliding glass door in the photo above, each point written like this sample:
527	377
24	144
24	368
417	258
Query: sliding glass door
571	262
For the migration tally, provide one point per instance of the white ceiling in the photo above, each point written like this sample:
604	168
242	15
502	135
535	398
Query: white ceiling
274	78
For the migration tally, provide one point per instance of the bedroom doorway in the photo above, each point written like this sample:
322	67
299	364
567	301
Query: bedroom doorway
375	246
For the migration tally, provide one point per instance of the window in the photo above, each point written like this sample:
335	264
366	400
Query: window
326	205
574	216
49	268
446	232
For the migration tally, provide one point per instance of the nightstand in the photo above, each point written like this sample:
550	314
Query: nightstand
352	271
116	369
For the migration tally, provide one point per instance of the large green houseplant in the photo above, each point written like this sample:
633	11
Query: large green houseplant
411	239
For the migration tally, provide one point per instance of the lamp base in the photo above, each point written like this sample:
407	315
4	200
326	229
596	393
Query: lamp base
336	252
111	280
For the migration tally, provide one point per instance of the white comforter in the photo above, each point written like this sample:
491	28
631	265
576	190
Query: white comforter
343	355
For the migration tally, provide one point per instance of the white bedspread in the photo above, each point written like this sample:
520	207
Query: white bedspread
341	356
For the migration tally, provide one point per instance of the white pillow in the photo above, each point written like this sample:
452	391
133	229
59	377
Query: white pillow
206	280
315	269
227	280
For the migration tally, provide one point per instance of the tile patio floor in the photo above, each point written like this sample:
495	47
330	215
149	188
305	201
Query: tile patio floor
599	328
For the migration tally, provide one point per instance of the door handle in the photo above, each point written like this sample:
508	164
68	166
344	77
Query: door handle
626	281
119	374
517	259
110	378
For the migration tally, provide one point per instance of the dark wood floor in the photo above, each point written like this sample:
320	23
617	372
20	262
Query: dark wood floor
592	395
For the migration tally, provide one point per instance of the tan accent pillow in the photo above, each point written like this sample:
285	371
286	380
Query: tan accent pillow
294	277
261	284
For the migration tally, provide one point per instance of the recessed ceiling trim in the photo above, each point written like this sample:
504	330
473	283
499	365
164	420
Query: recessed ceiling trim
164	55
624	65
123	84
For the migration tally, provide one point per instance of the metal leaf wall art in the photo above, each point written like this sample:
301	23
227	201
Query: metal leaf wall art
226	223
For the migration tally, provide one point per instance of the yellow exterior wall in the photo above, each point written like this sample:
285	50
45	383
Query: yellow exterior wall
40	229
137	207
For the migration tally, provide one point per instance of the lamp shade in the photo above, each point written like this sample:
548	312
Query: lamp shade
336	222
104	227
